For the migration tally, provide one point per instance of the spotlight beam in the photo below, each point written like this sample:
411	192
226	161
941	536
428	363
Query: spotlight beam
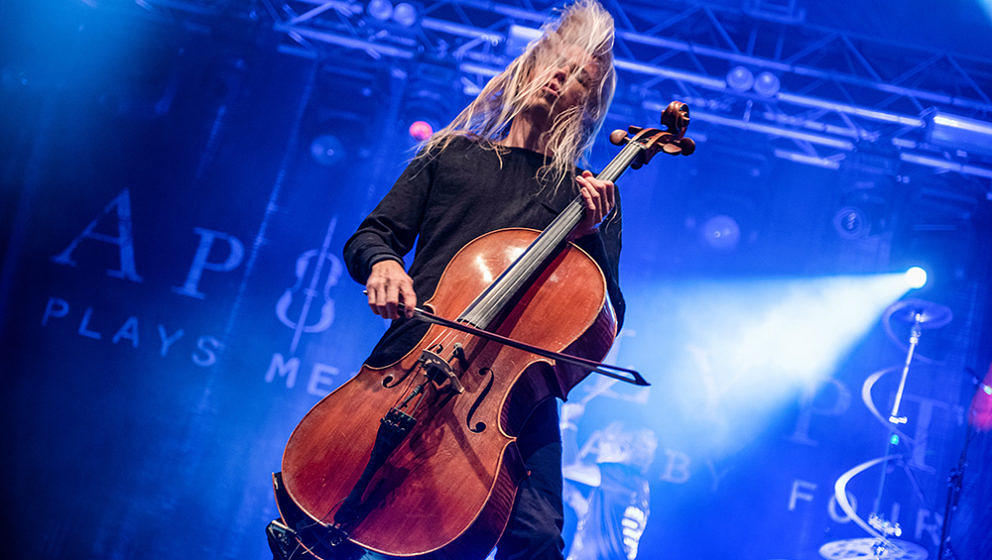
744	349
916	277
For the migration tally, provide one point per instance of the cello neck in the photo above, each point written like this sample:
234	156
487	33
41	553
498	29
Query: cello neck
490	304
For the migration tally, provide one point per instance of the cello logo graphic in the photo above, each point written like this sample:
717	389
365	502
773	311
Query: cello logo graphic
307	307
317	271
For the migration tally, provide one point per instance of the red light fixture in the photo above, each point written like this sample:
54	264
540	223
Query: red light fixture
421	130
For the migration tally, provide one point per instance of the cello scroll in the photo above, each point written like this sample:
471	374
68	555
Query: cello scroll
672	140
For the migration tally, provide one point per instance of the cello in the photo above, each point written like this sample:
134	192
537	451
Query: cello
418	458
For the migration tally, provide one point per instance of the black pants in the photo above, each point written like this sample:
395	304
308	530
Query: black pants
534	530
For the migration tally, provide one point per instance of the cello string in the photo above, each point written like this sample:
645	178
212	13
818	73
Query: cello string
497	295
542	246
522	269
444	336
546	242
536	253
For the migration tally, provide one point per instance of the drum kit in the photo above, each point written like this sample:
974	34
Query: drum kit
881	544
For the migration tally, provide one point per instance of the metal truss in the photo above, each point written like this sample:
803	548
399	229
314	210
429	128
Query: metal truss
837	94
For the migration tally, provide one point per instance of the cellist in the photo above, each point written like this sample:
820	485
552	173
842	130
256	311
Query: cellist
507	160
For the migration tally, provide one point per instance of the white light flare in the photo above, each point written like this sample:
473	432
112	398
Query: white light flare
735	353
916	277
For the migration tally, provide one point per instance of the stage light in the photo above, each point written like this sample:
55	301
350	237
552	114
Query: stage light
421	130
851	222
427	109
518	38
980	411
766	84
941	163
807	159
381	10
740	78
405	14
721	232
327	150
916	277
739	352
959	133
765	128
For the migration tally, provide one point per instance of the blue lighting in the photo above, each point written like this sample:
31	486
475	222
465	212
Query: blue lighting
766	84
737	351
721	232
740	78
916	277
381	10
405	14
327	150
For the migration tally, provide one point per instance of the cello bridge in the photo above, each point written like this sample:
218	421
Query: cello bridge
440	372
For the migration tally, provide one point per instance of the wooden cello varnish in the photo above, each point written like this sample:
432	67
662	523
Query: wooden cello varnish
447	489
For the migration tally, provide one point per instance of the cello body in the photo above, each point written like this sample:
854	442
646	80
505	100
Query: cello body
447	490
418	459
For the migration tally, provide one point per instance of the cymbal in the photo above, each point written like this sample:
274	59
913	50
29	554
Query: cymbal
863	549
929	314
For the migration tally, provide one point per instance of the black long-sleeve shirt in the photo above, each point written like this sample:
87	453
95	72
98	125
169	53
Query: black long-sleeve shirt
445	201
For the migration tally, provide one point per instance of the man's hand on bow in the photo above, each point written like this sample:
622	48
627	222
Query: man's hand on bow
388	286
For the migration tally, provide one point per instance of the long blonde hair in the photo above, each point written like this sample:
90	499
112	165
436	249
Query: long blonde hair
584	24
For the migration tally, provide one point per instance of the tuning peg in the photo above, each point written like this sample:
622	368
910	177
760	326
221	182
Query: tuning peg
619	137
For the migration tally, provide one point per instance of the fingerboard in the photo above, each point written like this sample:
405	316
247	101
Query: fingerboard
490	304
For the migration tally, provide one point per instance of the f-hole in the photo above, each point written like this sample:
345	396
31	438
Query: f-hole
480	427
388	382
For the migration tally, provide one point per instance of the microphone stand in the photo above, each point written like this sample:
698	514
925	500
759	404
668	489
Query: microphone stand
955	481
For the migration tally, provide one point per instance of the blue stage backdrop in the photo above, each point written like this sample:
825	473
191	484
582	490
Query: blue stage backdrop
173	300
